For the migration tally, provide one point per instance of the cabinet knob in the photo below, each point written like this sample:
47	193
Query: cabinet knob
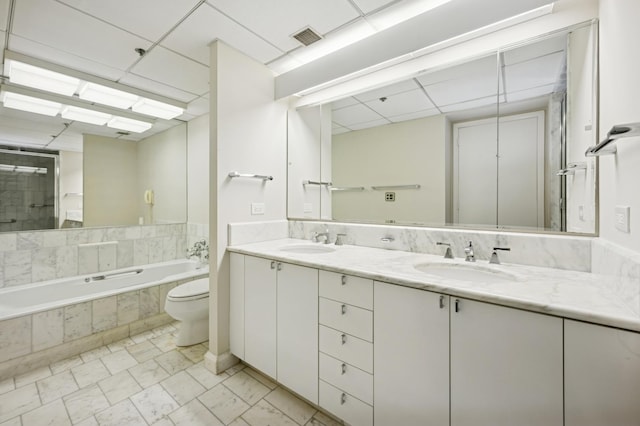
343	398
456	305
441	301
343	309
273	265
343	338
279	266
343	279
344	368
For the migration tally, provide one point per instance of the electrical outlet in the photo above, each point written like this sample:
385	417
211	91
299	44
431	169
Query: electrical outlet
622	214
257	208
389	196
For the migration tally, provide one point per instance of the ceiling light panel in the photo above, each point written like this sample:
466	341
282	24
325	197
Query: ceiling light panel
85	115
129	125
156	109
40	78
107	96
30	104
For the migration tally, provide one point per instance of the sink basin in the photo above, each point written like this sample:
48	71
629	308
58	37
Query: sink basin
308	249
466	272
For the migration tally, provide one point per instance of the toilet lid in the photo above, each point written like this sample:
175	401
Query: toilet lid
196	289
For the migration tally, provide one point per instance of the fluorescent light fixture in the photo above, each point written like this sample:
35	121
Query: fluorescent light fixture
157	109
23	169
107	96
30	104
400	12
129	125
85	115
43	79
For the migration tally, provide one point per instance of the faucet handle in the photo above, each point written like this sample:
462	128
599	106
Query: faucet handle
339	238
447	253
494	256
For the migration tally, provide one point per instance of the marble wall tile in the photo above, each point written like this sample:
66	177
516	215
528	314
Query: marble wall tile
66	261
132	233
96	235
15	337
17	267
115	234
148	231
149	301
155	250
141	252
1	269
87	259
624	264
169	248
107	256
30	240
77	236
44	264
54	239
77	321
242	233
128	307
105	314
48	329
124	254
8	242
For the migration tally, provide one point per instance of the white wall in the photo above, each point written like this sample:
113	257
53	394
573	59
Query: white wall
198	170
70	183
619	104
410	152
248	133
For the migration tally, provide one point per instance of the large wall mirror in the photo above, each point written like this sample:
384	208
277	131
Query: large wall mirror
59	174
496	142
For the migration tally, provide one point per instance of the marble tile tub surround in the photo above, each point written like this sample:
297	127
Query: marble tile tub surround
27	257
624	264
552	251
253	232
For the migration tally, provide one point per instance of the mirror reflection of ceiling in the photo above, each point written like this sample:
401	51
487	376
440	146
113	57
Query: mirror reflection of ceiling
527	72
100	38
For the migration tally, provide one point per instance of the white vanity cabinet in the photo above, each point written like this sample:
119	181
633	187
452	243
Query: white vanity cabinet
602	375
274	320
506	366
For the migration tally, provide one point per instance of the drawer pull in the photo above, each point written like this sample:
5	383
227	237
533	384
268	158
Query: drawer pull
441	302
279	266
343	398
344	309
344	368
457	305
344	338
343	280
273	265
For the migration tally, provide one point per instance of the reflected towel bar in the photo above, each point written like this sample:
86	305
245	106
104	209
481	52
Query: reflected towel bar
382	188
245	175
348	188
315	182
73	194
8	220
40	205
616	132
571	168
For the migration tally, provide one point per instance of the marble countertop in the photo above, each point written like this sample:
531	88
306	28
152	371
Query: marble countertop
582	296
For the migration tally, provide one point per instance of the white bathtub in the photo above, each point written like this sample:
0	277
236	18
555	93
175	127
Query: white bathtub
47	295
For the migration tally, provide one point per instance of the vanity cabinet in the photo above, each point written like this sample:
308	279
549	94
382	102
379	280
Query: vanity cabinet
274	320
602	375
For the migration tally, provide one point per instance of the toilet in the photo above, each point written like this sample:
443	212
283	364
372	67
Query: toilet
189	303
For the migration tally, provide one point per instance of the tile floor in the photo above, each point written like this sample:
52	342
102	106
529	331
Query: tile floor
147	380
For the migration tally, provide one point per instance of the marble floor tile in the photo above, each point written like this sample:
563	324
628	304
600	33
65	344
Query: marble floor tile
246	387
7	385
90	421
85	403
265	414
32	376
294	407
236	368
90	372
13	422
148	373
194	414
120	344
205	377
95	353
144	351
165	329
139	338
119	361
182	387
261	378
123	413
195	353
66	364
52	414
19	401
322	419
239	422
226	405
119	386
164	342
154	403
57	386
173	361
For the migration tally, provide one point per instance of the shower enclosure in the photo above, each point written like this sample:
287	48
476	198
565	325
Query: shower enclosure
28	190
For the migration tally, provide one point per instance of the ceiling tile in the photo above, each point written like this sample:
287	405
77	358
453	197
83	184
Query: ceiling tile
534	50
158	88
30	121
344	103
368	124
414	115
167	67
68	141
84	128
56	25
339	130
55	56
401	103
150	19
193	36
198	107
476	103
387	91
277	20
483	66
540	71
533	92
4	14
354	114
368	6
473	86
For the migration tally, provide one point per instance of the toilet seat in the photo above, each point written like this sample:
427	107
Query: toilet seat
193	290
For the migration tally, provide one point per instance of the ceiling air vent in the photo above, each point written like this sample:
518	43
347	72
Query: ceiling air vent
307	36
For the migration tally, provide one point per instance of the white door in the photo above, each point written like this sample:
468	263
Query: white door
260	314
506	366
411	356
297	327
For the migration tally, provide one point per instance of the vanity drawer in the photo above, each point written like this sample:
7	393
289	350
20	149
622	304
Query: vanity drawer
345	406
348	318
345	347
346	288
347	377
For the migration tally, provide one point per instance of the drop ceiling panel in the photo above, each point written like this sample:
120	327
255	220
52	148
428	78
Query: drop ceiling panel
193	36
336	130
541	71
464	89
57	25
68	141
150	19
169	68
29	121
354	114
534	50
198	107
414	115
277	20
368	6
84	128
484	66
393	89
158	88
476	103
533	92
344	103
401	103
368	124
4	14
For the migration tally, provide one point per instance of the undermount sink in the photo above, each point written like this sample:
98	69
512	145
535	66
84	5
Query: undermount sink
466	272
307	249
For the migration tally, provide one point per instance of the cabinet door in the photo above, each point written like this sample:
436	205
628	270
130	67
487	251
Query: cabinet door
236	305
506	366
260	314
411	356
298	330
602	375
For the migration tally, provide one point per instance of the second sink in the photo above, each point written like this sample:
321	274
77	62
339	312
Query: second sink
307	248
464	272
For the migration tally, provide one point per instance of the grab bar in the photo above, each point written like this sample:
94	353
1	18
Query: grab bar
246	175
34	205
378	188
8	220
348	188
112	275
315	182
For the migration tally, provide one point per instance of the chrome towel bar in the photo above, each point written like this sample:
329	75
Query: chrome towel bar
252	176
382	188
616	132
315	182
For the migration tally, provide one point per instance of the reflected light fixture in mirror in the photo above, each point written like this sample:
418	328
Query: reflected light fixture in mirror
106	95
29	104
43	79
85	115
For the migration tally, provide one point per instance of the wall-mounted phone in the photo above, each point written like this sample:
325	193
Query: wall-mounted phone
148	196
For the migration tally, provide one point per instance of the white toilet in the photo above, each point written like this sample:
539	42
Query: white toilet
189	303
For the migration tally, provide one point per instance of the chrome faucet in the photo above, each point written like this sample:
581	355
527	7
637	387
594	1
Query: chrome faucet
317	235
494	256
468	251
447	252
340	239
